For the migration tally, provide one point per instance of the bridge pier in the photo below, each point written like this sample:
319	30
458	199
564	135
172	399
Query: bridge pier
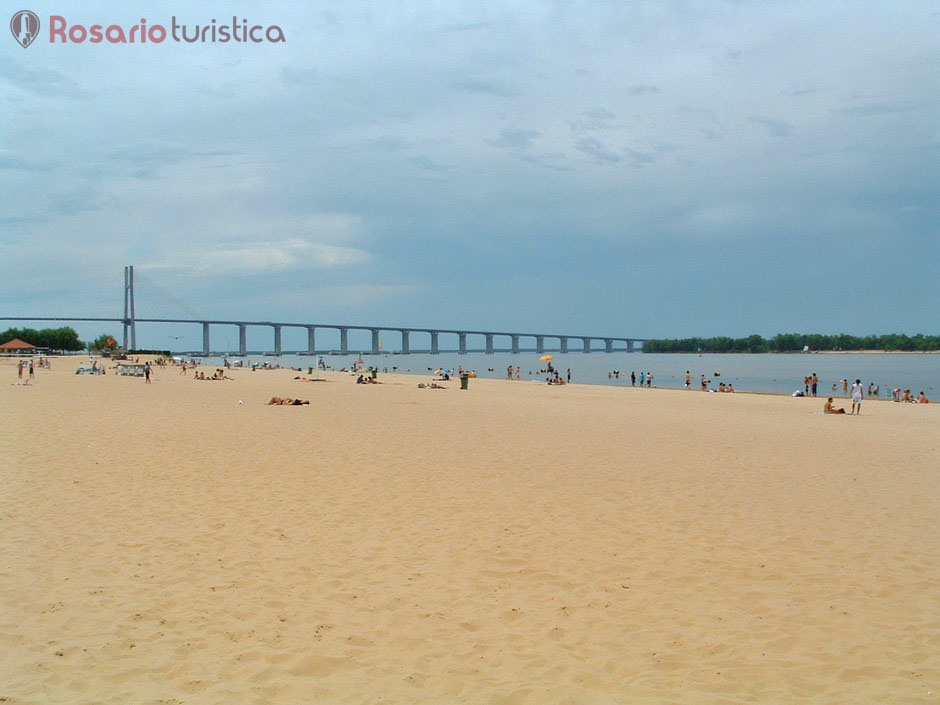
311	340
515	345
608	345
344	341
277	340
540	344
462	344
375	341
242	339
563	344
434	346
587	345
205	339
489	343
405	348
629	346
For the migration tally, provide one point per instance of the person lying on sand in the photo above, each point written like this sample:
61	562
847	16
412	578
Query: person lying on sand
287	402
827	408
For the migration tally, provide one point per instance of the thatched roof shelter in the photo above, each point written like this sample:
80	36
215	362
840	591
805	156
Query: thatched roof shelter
16	345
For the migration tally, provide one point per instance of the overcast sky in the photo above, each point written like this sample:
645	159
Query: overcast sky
646	169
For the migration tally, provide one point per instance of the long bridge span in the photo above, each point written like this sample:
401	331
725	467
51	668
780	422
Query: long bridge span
130	321
583	342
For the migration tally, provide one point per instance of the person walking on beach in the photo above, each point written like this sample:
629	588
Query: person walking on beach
857	397
642	379
633	379
19	369
147	373
32	370
509	372
569	375
688	380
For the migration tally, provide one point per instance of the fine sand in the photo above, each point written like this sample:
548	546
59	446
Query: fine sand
512	543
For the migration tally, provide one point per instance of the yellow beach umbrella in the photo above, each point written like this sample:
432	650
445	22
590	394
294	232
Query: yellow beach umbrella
547	357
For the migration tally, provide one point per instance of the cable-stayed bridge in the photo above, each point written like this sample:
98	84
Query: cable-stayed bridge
130	321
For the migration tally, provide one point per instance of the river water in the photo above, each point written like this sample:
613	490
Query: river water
773	373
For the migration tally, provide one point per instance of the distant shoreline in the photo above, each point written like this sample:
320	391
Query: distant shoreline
809	352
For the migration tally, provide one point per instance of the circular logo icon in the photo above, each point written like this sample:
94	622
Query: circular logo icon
25	27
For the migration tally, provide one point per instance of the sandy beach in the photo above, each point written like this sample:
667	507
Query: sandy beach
515	543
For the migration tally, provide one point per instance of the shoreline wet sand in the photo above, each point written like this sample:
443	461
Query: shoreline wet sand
512	543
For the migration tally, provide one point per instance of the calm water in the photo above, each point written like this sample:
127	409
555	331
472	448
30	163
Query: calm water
780	374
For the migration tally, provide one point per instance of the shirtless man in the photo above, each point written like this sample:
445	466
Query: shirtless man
827	408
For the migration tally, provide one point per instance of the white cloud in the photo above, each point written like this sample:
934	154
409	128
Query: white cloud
359	294
264	258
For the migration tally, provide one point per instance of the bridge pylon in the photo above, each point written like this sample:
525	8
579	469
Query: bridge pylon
130	322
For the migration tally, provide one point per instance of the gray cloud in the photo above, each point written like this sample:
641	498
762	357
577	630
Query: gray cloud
595	119
601	153
295	76
515	138
476	85
39	81
881	108
778	128
13	162
642	90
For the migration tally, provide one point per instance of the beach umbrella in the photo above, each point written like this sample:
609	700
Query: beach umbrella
547	357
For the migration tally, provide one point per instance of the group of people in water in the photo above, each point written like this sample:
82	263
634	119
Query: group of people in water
905	396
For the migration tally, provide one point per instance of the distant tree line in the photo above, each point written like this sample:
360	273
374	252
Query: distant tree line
52	338
795	342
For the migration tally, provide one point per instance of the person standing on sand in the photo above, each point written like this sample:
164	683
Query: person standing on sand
857	397
633	379
815	383
32	370
19	369
569	375
688	380
147	373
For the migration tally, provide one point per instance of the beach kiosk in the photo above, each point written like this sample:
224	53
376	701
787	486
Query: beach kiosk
130	369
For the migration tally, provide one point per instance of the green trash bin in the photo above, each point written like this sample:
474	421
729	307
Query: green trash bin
464	380
375	372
